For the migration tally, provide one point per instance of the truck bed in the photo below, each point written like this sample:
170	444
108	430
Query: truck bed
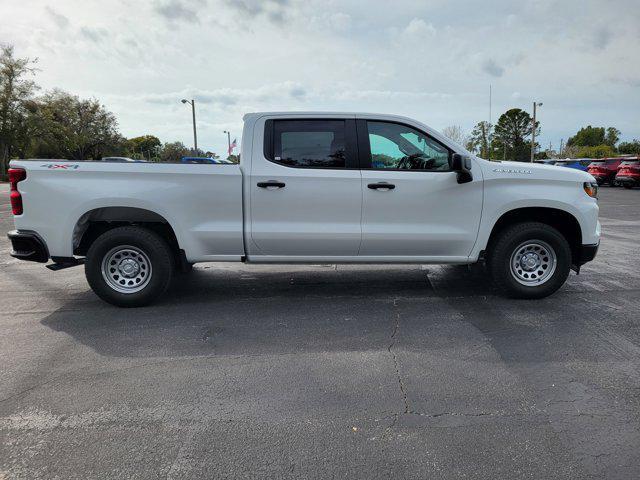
202	203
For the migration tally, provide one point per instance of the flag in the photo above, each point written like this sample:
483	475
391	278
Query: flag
233	145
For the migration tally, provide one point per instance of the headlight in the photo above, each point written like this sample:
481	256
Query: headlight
591	189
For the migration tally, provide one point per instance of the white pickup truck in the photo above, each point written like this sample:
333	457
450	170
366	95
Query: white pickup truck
310	188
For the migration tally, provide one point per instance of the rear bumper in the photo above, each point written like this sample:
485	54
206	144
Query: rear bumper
28	245
628	180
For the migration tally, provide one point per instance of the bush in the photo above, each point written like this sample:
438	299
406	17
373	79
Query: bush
599	151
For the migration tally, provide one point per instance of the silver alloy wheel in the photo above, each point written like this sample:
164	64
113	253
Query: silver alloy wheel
533	263
126	269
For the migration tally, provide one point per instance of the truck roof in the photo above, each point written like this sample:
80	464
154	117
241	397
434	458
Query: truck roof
323	113
253	116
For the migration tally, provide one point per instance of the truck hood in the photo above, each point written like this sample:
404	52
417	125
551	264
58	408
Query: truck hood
535	171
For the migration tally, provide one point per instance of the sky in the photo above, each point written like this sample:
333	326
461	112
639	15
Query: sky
432	60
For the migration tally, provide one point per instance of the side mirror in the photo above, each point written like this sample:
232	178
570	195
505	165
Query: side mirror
462	166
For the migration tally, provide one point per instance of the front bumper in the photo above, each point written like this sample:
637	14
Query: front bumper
600	178
586	253
28	245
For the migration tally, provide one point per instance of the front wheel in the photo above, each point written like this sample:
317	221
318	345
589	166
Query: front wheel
129	266
529	260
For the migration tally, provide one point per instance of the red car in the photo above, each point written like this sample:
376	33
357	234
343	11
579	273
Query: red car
604	171
629	173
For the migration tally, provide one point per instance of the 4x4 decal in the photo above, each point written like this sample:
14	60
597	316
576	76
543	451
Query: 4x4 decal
62	166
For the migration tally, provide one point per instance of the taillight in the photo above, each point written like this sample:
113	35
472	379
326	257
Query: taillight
16	175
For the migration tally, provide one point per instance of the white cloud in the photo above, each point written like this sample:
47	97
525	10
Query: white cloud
60	20
492	68
418	27
95	35
179	10
340	21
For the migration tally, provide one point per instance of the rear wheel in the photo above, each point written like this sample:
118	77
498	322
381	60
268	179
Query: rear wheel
129	266
529	260
627	186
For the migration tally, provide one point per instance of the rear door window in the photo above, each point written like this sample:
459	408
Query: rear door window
310	143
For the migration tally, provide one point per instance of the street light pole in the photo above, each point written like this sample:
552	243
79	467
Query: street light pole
228	142
533	131
193	113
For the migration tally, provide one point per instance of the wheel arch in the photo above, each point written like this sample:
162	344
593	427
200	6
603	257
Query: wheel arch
563	221
97	221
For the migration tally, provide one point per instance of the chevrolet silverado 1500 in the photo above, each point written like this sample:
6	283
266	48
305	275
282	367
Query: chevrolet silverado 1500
310	188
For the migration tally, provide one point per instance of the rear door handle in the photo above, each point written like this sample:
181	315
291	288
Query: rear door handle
271	183
381	185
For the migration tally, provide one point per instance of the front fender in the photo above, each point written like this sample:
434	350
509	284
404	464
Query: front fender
505	195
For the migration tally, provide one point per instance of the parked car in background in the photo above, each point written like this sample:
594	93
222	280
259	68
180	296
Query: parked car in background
629	173
605	171
204	160
546	161
121	160
577	163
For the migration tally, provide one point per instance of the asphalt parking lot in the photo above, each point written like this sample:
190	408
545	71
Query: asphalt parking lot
325	372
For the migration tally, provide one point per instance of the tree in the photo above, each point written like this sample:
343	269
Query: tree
612	137
455	133
593	136
234	158
479	141
16	88
632	147
598	151
72	128
510	133
173	152
587	137
145	147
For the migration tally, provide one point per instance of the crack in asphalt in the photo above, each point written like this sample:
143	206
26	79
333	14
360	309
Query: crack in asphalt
403	391
394	333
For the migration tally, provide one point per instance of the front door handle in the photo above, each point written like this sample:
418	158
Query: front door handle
271	183
381	185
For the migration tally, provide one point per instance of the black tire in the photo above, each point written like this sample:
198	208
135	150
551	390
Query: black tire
627	186
600	182
513	238
154	251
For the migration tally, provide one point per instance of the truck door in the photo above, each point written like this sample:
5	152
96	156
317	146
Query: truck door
413	205
305	188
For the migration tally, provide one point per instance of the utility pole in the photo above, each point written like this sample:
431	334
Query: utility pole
228	141
489	126
561	147
193	113
533	130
